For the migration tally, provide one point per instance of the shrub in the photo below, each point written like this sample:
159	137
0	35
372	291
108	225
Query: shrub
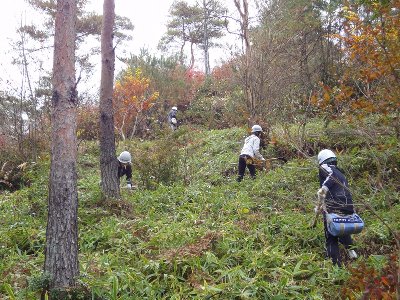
88	123
372	281
157	162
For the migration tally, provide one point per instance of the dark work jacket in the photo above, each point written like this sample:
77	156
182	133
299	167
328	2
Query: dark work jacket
171	114
338	198
125	170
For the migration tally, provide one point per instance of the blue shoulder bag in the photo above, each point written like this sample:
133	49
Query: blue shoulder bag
344	225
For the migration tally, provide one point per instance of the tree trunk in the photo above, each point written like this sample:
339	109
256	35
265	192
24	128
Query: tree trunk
182	54
33	115
206	39
191	57
135	124
108	161
244	15
61	257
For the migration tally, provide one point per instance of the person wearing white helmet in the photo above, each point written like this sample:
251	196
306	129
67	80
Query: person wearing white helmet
125	167
172	121
334	192
250	150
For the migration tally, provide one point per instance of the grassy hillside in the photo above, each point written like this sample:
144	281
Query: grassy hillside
190	231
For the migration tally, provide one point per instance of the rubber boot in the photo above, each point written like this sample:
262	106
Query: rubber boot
352	254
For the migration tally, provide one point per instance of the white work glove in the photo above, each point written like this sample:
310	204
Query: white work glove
263	162
322	193
129	186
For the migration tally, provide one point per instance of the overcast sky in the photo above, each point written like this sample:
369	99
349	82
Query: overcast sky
148	16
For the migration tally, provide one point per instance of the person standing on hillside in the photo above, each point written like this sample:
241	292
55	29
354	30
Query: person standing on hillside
172	121
125	167
335	194
250	151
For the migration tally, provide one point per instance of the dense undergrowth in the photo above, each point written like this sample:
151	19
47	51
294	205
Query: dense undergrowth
190	231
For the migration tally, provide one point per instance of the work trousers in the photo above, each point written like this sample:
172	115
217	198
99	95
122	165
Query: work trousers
242	167
332	244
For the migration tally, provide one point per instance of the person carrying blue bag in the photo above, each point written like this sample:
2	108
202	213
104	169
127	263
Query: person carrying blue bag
337	207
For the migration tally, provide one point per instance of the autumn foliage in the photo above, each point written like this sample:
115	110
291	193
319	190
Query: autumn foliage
223	77
132	98
194	79
371	51
372	283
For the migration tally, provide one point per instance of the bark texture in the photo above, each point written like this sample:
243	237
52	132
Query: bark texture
108	161
61	257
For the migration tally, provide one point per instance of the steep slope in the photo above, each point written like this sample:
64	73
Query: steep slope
190	231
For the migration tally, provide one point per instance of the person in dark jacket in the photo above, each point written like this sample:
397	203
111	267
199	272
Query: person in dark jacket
172	121
335	193
125	167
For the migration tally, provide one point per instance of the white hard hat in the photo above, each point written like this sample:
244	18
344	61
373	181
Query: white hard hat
174	108
256	128
125	157
325	154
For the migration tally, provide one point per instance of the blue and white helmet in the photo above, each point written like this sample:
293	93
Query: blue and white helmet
325	154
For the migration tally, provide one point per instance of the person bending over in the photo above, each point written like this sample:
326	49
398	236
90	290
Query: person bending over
125	167
250	151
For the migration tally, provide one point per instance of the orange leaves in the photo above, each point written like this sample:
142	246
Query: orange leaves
326	96
373	39
132	89
334	101
371	282
223	73
314	99
364	105
371	80
323	100
132	96
344	93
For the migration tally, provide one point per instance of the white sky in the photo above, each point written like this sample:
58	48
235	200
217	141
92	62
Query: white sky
148	16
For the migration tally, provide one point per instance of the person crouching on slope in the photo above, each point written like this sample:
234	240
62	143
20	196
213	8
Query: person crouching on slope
250	151
172	121
125	167
335	193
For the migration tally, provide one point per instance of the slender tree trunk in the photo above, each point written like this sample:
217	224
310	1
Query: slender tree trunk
61	258
121	129
304	70
191	56
206	40
108	161
33	117
243	9
181	55
135	124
